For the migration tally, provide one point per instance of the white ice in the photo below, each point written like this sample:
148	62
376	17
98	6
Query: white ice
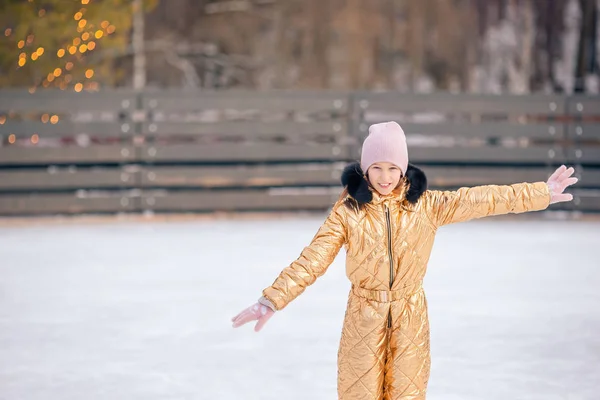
130	311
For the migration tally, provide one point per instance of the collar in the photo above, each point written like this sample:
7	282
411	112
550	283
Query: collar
397	195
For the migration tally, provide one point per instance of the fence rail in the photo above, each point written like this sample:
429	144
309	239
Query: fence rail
187	151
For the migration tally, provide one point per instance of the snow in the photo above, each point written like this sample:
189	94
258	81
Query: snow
129	310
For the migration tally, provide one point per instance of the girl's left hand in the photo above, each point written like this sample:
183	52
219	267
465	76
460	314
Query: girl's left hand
558	182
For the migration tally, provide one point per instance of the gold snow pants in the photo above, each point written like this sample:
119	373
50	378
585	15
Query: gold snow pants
384	349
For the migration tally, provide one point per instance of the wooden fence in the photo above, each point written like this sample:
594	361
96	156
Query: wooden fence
183	151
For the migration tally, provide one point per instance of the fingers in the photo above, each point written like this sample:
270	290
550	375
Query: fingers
566	173
262	321
245	310
237	316
244	318
557	173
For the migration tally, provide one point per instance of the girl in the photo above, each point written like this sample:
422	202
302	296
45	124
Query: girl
387	220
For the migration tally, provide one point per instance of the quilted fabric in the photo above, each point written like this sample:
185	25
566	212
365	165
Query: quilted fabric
384	349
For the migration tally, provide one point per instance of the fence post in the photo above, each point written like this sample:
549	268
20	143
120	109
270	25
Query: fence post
140	116
355	120
573	144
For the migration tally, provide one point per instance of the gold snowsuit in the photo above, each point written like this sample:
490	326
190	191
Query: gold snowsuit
384	349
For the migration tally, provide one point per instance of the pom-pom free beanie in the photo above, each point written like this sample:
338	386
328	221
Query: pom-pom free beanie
386	142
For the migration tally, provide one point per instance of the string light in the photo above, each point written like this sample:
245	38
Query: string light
2	119
12	138
45	118
86	40
54	119
7	31
35	138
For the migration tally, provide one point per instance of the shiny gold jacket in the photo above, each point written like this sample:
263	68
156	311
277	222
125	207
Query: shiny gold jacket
388	241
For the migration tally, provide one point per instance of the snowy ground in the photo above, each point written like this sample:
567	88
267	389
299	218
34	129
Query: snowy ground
142	311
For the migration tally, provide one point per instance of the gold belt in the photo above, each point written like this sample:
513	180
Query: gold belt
384	296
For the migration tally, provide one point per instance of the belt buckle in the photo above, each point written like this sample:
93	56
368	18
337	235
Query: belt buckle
384	297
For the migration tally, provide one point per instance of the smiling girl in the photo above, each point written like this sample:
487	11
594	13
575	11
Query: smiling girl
387	221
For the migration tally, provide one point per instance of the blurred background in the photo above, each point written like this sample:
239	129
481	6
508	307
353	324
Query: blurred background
199	106
493	46
149	150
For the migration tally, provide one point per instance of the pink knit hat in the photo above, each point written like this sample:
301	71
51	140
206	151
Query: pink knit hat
386	143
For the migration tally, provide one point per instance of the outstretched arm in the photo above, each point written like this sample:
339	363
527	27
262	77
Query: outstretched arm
293	280
464	204
312	262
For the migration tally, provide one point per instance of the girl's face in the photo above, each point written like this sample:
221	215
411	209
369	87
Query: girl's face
384	177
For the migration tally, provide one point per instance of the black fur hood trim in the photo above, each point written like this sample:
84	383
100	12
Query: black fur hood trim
417	183
354	180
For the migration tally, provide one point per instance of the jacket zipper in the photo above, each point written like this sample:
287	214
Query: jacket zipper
388	221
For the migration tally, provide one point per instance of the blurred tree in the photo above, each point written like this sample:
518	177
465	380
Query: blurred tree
549	25
586	50
66	44
479	45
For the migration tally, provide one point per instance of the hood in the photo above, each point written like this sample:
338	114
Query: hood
355	181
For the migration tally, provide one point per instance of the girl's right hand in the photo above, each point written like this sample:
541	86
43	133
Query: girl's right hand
256	311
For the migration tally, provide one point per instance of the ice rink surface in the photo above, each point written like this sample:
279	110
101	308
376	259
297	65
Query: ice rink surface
126	310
